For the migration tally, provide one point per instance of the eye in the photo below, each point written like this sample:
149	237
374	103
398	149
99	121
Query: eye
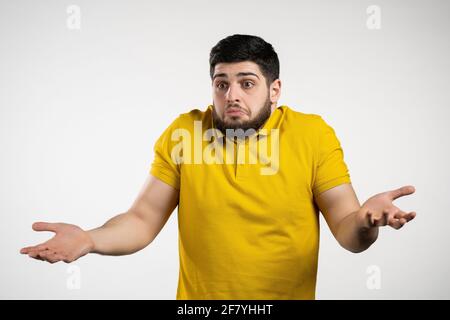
248	84
221	85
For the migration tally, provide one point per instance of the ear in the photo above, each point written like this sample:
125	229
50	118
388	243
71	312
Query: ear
275	90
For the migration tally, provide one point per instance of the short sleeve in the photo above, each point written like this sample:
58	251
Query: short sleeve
163	167
331	169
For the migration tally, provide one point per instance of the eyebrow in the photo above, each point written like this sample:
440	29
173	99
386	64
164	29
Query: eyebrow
240	74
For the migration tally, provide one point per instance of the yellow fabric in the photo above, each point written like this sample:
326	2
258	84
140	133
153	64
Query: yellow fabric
244	235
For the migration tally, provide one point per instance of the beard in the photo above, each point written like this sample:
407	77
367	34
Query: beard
255	123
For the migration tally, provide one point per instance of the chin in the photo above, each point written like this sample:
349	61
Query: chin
237	119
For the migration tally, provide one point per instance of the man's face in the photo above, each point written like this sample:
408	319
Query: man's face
241	97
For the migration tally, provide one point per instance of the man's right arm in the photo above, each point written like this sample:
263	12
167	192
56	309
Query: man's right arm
124	234
133	230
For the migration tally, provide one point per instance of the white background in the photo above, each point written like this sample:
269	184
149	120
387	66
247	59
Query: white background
81	109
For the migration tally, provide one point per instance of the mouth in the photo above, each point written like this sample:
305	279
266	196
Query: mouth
235	112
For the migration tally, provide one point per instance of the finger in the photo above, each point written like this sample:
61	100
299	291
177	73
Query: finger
52	257
46	255
60	257
383	219
395	223
369	219
35	255
407	216
379	220
410	215
25	250
372	219
402	221
400	192
40	247
45	226
390	214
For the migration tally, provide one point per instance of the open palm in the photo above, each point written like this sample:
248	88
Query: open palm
69	243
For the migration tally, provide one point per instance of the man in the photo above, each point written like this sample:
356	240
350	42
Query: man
249	179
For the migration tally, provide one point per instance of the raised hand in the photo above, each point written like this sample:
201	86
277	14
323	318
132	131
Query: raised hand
69	243
379	210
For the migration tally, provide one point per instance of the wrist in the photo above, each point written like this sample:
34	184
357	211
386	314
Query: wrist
92	236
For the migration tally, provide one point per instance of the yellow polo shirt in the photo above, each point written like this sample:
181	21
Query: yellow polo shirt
244	234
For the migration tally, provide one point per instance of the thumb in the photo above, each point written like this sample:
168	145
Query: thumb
403	191
45	226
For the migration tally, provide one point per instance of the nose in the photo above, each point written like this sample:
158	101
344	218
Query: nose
232	94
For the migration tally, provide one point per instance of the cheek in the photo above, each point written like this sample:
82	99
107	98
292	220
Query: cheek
219	109
254	105
219	103
218	99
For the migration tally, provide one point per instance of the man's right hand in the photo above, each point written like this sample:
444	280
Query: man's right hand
69	243
123	234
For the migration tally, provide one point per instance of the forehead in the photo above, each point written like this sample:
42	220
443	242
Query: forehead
233	68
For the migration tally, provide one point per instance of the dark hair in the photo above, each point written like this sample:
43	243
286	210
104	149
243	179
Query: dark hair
241	47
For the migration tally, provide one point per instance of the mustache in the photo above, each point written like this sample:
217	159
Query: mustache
235	105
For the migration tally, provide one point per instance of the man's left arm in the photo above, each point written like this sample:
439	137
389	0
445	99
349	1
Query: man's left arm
355	227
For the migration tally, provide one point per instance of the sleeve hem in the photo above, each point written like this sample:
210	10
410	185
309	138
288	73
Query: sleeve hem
331	184
161	174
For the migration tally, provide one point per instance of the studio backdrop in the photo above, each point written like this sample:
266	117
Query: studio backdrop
87	87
